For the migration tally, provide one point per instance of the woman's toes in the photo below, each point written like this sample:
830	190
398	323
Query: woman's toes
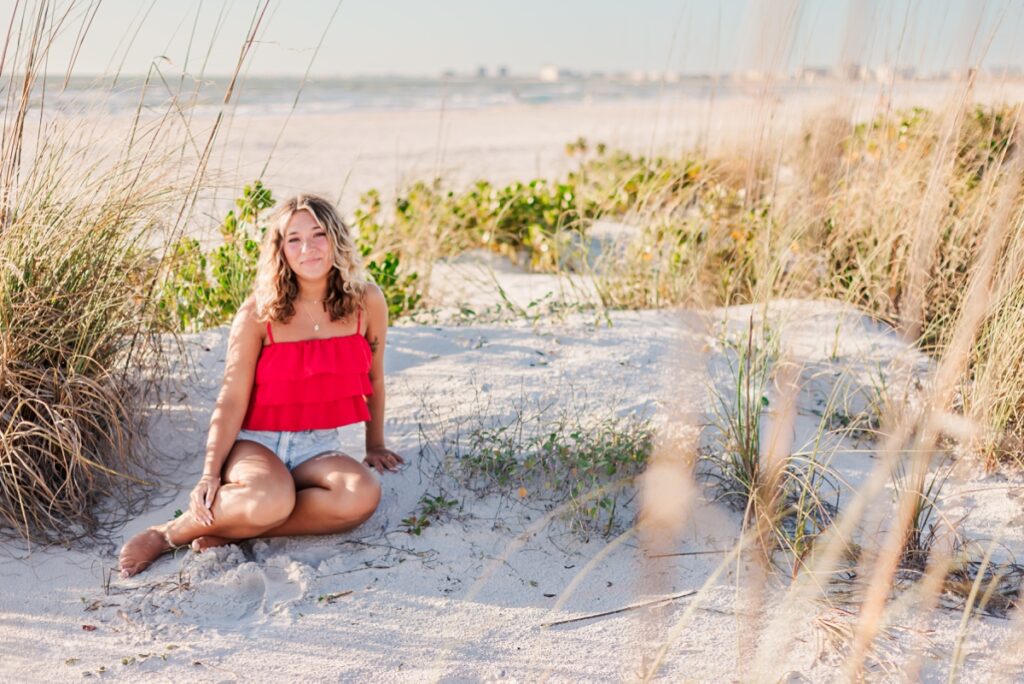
140	551
208	541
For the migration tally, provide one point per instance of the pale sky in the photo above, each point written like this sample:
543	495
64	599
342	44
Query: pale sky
426	37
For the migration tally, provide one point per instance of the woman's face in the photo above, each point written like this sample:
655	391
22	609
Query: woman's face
307	249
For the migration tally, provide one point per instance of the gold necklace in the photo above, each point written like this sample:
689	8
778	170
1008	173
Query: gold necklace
316	323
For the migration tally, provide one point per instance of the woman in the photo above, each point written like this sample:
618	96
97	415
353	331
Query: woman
305	356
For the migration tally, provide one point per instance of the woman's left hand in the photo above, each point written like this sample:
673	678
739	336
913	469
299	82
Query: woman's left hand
383	459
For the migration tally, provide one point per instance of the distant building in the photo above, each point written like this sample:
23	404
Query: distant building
1008	72
503	72
812	74
852	72
907	73
448	73
481	72
548	73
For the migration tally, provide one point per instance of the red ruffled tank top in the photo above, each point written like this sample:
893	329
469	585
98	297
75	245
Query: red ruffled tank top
311	384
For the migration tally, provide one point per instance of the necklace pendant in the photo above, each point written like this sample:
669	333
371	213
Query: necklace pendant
316	327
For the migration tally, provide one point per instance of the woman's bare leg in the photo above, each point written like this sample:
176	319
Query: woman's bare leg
334	493
257	493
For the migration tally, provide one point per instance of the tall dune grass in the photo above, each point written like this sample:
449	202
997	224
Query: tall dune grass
83	226
77	349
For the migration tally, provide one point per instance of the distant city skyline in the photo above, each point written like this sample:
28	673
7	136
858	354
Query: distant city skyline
414	38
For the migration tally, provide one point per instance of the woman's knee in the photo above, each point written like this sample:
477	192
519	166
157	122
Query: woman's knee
271	501
366	497
356	497
262	484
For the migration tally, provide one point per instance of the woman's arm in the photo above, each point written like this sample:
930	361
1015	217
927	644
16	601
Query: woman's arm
377	455
244	346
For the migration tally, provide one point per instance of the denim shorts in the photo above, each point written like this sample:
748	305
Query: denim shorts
295	448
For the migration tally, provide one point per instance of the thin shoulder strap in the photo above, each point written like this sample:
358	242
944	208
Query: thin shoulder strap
270	335
359	320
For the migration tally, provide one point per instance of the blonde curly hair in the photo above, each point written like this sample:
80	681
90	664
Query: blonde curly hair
276	285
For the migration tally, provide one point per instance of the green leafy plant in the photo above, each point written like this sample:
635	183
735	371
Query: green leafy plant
431	508
400	290
205	289
415	524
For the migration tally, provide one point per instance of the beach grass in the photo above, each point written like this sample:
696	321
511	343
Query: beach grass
84	229
79	353
542	455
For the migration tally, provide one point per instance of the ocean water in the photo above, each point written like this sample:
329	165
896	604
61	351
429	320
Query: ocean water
276	96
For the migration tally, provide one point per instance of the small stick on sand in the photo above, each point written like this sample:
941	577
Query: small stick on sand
689	553
664	599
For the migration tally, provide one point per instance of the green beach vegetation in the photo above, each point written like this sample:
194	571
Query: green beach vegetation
889	215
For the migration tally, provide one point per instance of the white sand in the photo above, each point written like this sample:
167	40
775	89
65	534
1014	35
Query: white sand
258	611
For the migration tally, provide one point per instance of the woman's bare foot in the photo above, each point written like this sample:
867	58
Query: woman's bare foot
140	551
208	541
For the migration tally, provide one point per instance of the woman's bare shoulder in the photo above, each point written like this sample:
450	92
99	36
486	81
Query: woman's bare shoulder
373	296
247	319
376	307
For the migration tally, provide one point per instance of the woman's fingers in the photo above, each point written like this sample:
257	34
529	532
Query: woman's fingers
383	459
199	508
393	460
211	494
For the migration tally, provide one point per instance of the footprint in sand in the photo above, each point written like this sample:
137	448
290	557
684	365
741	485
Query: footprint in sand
227	590
252	591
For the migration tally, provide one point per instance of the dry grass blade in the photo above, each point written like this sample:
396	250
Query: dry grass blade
616	611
